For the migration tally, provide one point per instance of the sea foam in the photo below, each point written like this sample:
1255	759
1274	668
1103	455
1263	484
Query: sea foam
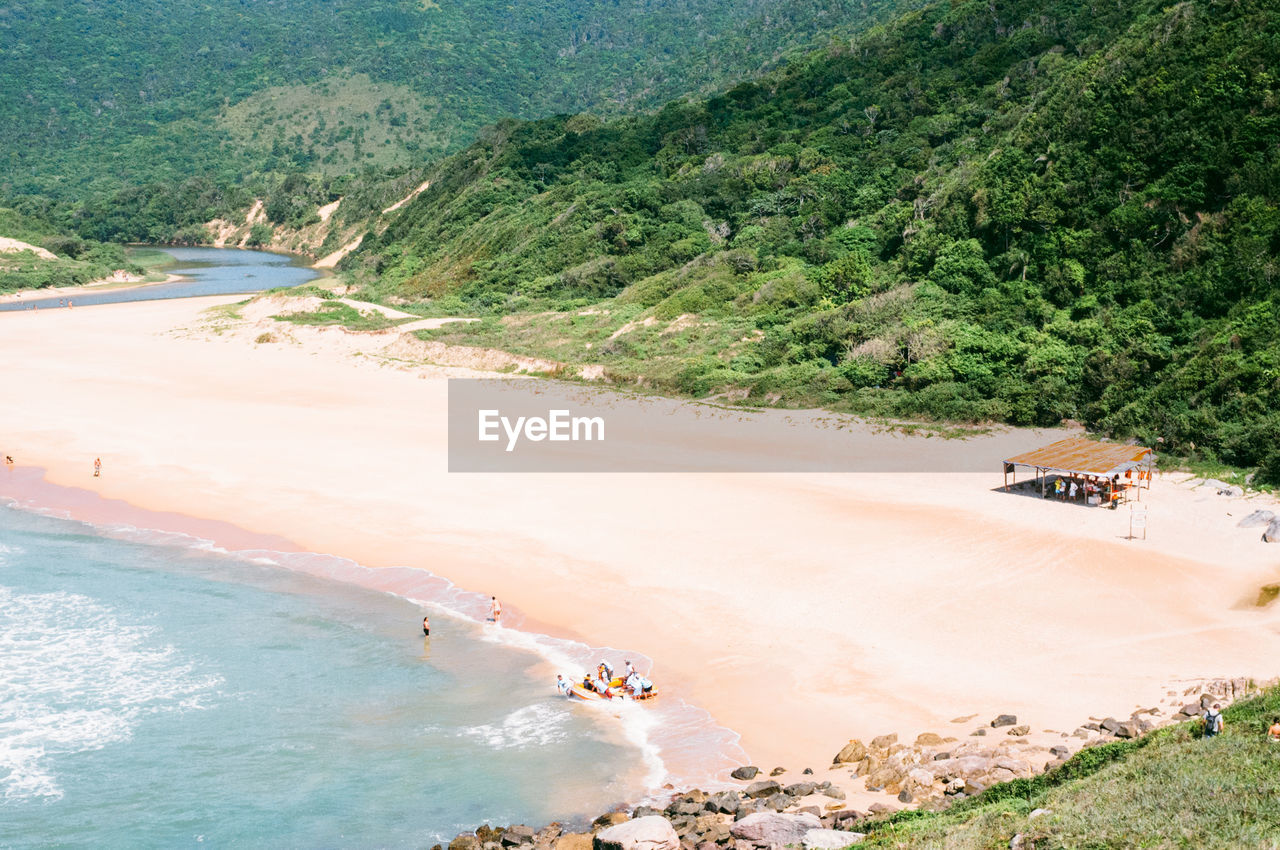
73	677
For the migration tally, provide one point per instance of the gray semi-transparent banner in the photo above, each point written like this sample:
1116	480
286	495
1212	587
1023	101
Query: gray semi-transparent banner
533	425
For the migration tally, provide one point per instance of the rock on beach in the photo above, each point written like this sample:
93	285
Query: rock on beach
648	833
775	828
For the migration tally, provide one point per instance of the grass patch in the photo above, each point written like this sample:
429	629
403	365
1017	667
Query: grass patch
337	313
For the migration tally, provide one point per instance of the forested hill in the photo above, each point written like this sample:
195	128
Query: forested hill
98	94
1017	210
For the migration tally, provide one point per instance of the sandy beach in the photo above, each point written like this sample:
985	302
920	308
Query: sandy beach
800	610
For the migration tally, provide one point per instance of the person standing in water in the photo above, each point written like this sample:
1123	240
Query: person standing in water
495	610
562	686
97	467
426	626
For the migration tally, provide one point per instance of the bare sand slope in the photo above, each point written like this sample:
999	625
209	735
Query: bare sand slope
801	610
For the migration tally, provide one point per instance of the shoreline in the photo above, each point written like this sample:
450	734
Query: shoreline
558	647
104	285
800	610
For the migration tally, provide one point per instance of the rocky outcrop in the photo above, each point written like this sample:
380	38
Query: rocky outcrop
775	829
647	833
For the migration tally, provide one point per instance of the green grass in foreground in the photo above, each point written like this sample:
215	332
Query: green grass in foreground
1168	789
337	313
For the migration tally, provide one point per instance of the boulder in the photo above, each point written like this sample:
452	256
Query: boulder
763	788
1020	731
905	796
725	803
1060	751
920	779
830	839
1017	767
517	835
881	808
883	742
1004	720
774	828
800	789
928	739
1129	729
465	841
1272	534
747	773
574	841
853	751
777	771
1257	518
652	833
778	802
1110	725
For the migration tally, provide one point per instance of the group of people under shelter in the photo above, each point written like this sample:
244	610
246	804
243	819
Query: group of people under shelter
631	683
1093	490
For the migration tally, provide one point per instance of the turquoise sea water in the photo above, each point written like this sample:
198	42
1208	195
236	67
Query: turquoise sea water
157	694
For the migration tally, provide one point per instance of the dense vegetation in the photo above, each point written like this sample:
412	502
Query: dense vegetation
76	261
103	94
1171	788
1020	210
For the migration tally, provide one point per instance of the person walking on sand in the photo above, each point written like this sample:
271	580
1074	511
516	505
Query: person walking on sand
97	467
426	627
495	610
1213	721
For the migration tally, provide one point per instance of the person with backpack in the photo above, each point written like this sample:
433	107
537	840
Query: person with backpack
1213	721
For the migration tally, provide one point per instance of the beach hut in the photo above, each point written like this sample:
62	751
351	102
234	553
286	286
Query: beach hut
1083	458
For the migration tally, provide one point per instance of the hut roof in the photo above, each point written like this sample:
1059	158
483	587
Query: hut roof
1082	456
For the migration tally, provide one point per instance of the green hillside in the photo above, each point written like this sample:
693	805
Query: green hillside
1171	788
101	94
1020	210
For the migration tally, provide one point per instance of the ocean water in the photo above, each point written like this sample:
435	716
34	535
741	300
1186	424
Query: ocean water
155	692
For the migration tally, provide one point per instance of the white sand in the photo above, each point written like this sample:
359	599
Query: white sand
801	610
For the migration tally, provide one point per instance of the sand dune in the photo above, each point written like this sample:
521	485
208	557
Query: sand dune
800	609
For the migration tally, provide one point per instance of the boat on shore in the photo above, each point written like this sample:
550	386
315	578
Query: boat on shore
578	691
